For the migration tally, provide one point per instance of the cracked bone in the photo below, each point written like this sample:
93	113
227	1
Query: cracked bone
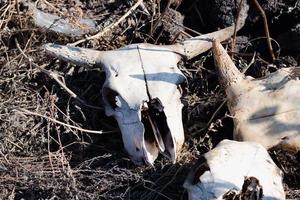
244	169
264	110
141	89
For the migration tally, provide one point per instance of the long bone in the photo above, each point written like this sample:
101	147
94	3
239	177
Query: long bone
61	25
141	89
264	110
226	168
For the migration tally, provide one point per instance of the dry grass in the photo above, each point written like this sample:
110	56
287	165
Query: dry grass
43	159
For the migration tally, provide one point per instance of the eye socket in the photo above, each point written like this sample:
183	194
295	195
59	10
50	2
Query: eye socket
111	97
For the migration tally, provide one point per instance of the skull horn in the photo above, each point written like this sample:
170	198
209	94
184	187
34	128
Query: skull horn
79	56
197	45
228	73
192	47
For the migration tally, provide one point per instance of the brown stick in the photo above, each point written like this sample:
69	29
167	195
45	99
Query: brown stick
235	26
263	14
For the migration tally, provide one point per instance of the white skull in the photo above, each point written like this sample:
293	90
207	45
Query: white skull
224	169
264	110
141	90
144	98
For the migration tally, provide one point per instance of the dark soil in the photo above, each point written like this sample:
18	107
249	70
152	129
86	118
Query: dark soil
42	159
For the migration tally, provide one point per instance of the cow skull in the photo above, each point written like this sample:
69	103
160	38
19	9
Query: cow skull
264	110
241	169
141	89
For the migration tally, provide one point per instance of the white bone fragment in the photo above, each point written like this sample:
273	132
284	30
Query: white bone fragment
141	90
60	24
264	110
229	166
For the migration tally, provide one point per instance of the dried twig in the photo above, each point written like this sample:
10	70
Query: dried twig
161	16
212	117
264	37
56	77
25	111
251	62
4	156
49	73
110	27
263	14
4	13
53	7
235	26
185	27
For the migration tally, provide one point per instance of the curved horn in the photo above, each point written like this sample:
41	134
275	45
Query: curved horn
78	56
233	81
228	73
197	45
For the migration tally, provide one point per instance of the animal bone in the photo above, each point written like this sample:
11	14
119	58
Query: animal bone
61	25
264	110
141	89
235	166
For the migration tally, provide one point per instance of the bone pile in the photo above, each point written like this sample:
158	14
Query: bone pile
148	110
148	107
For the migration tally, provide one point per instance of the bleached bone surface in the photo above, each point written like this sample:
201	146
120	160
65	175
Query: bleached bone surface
264	110
225	168
141	90
61	25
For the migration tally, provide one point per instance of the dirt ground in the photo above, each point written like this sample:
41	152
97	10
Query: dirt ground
43	157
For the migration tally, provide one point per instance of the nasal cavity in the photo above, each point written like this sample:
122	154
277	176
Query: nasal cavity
155	123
